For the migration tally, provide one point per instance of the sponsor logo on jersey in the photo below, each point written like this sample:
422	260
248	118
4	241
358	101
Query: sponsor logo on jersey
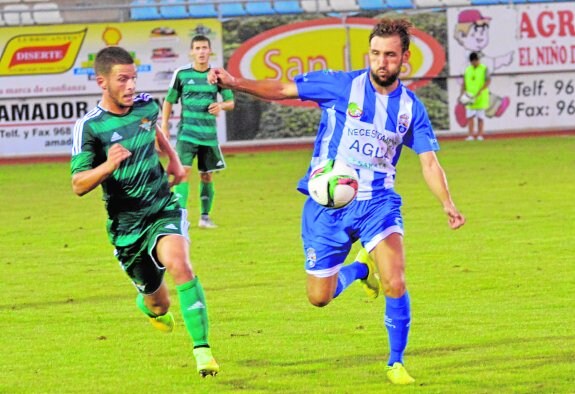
116	137
354	111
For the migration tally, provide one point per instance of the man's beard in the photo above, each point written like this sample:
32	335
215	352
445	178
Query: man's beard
121	105
385	82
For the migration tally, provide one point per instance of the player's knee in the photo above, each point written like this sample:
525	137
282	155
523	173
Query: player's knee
394	288
181	272
319	300
206	177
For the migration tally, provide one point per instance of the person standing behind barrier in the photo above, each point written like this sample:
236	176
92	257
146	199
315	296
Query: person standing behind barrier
476	81
197	133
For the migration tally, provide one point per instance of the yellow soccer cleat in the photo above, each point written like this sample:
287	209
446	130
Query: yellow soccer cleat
397	374
371	284
206	363
164	323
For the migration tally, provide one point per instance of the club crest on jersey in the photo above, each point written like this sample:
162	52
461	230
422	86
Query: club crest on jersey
403	123
354	111
310	257
146	124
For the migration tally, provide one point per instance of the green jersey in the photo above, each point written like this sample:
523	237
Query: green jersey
139	188
190	86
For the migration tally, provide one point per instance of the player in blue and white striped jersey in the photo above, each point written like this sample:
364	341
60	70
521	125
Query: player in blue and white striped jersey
368	116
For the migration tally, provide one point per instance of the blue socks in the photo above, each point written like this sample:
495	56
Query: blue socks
348	274
397	321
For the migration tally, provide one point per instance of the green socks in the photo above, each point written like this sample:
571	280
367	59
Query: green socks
181	190
207	194
206	197
194	311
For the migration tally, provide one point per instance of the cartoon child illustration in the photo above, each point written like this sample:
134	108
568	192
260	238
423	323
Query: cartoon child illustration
472	33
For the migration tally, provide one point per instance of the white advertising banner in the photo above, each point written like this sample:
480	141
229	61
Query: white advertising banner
530	53
43	126
47	79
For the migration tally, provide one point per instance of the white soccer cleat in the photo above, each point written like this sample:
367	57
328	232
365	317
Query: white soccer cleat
206	222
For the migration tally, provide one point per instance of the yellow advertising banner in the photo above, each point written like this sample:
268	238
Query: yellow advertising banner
37	61
329	43
43	53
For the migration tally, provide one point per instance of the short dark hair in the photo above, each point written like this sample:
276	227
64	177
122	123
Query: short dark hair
110	56
391	27
200	38
473	56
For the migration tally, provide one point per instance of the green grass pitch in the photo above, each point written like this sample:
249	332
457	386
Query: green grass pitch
492	303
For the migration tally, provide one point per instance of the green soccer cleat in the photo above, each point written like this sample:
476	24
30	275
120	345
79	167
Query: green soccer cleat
397	374
206	363
371	284
164	323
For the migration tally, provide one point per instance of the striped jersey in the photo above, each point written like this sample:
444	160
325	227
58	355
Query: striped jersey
190	86
138	189
364	128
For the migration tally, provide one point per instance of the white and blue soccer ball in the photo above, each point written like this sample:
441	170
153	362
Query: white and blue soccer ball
333	184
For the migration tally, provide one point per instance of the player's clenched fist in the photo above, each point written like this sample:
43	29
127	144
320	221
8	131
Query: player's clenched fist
221	77
116	155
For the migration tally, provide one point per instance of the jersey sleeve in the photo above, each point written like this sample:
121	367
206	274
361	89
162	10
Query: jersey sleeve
84	148
175	89
323	87
421	137
227	94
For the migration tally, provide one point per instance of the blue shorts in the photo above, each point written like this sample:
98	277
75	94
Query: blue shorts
328	234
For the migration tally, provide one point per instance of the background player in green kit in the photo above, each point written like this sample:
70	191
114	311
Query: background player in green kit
115	146
197	133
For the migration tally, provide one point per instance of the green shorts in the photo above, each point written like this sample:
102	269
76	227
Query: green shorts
139	260
210	158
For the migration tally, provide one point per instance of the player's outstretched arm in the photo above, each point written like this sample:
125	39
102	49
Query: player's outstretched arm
437	181
174	167
265	89
86	181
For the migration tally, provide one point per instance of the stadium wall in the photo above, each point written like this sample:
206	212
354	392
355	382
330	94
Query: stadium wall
47	82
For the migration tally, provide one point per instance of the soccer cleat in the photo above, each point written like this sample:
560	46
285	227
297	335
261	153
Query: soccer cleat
206	363
206	222
397	374
164	323
371	283
470	138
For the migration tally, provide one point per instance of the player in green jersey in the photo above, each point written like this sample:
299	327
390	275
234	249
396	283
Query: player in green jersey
114	145
197	133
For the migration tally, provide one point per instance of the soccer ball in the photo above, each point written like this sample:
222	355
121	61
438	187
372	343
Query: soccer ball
333	184
466	98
